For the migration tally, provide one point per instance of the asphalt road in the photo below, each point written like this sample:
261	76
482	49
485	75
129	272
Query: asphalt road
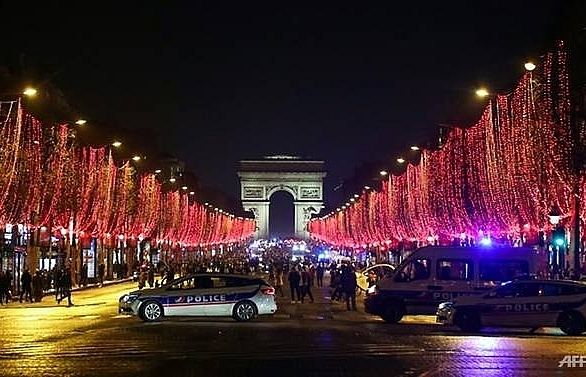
320	339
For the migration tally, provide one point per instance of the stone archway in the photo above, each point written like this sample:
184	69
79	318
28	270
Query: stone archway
302	178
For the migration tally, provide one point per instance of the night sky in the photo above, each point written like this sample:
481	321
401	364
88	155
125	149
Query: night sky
346	84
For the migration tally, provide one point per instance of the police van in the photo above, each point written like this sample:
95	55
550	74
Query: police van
434	274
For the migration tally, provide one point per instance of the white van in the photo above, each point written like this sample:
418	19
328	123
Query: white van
434	274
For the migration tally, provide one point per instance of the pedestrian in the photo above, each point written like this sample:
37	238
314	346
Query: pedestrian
26	281
37	286
294	278
84	277
349	284
170	274
335	285
142	278
65	285
319	271
306	284
279	282
151	275
372	278
101	271
2	287
8	285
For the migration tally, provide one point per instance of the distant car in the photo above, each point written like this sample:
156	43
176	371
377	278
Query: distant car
523	304
381	270
203	295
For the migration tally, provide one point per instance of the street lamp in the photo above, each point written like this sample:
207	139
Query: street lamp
30	92
554	215
482	93
530	66
558	239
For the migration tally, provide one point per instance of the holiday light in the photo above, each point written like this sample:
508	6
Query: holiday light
497	177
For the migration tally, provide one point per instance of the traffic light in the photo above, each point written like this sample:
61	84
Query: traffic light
558	236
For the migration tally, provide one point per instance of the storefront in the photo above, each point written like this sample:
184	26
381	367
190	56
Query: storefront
13	257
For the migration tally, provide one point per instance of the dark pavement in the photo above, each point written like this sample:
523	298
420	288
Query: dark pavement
322	307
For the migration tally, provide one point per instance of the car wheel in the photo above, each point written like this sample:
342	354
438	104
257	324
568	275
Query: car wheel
151	311
571	323
393	313
468	321
244	311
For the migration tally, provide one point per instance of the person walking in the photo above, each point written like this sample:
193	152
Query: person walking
142	278
319	271
279	282
26	281
65	285
84	275
101	271
335	285
3	288
8	285
349	284
151	275
294	278
306	284
37	284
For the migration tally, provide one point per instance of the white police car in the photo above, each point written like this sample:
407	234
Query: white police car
523	304
203	294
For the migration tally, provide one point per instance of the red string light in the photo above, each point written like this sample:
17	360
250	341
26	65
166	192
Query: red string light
498	177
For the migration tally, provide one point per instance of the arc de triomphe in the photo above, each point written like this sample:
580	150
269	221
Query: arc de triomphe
302	178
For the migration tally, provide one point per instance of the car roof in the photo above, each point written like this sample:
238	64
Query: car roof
549	281
223	275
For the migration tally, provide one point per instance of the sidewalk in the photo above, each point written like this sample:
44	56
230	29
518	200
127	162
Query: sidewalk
49	296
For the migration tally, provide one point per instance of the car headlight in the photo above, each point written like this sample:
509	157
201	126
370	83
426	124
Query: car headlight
128	298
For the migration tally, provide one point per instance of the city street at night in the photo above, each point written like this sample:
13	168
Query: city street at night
374	189
321	338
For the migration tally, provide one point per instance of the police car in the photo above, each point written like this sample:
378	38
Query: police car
523	304
203	294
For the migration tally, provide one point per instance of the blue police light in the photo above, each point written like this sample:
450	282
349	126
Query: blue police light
485	241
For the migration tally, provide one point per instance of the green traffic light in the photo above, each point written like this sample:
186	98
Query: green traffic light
559	242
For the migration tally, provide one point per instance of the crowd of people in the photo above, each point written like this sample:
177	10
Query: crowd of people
300	276
33	287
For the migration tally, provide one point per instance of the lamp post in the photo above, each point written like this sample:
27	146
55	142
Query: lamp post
64	245
558	240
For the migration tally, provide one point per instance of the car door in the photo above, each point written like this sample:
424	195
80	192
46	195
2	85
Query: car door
410	283
513	305
185	298
216	296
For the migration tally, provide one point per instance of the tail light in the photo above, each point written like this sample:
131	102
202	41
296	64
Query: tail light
268	291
